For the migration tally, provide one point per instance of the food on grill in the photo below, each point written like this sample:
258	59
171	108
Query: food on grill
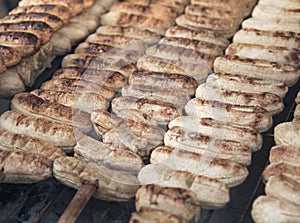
25	43
129	43
227	171
255	68
243	83
283	188
23	167
53	21
55	133
77	87
177	82
94	49
98	63
213	10
83	101
75	6
271	102
132	32
205	35
61	11
220	130
148	215
158	111
119	18
25	143
271	53
106	78
223	26
40	29
286	154
111	185
163	176
207	145
270	209
104	121
31	105
285	25
255	117
268	38
179	99
140	138
287	134
159	10
195	45
178	6
198	71
285	169
92	150
176	201
179	53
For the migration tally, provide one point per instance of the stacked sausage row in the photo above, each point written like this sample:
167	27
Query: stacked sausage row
282	176
201	156
59	112
35	32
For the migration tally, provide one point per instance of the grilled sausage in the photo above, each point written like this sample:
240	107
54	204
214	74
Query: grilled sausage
111	185
31	105
200	35
268	38
271	102
257	68
109	79
98	63
174	200
77	87
83	101
287	133
255	117
270	209
25	43
271	53
132	32
92	150
55	133
25	143
221	130
187	140
61	11
164	80
160	112
243	83
227	171
198	71
23	167
286	154
163	176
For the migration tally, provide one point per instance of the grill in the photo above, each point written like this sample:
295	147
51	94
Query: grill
47	200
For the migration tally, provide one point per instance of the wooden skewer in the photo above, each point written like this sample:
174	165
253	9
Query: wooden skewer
77	204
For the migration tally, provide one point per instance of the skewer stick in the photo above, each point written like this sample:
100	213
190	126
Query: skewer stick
78	203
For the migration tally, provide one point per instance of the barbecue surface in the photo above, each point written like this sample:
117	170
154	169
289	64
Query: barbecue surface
47	200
